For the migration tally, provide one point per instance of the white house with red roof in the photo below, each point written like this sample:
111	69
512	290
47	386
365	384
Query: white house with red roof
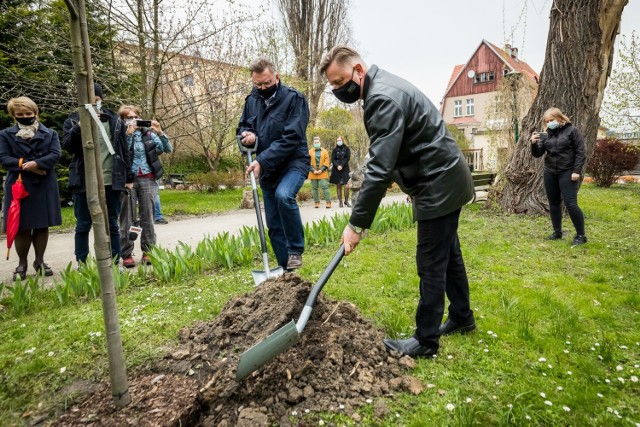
471	90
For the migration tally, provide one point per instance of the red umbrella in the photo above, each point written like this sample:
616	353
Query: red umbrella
13	216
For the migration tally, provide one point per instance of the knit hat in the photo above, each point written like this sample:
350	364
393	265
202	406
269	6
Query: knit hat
97	90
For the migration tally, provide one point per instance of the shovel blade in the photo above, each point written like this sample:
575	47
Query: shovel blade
260	276
267	350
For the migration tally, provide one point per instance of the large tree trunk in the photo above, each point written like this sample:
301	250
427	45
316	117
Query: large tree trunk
97	202
575	72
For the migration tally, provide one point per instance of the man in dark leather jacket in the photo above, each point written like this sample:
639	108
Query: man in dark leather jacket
410	144
276	117
116	173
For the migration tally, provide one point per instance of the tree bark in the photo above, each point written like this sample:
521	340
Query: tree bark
96	200
577	65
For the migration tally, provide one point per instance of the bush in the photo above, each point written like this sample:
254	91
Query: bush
610	158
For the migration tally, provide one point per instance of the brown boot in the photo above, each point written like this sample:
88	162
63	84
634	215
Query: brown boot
328	205
340	202
317	205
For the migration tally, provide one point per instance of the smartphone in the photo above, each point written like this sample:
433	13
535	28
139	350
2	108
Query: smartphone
543	136
143	123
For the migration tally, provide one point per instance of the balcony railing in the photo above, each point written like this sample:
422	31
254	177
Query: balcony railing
474	159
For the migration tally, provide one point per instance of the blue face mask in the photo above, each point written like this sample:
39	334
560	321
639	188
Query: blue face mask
316	145
339	142
553	124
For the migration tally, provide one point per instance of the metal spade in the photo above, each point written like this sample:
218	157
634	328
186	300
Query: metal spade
259	276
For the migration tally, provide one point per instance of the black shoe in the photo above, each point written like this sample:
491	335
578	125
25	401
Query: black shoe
295	261
580	239
450	327
161	221
410	347
556	235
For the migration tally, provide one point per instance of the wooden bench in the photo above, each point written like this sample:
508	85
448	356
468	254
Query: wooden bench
481	181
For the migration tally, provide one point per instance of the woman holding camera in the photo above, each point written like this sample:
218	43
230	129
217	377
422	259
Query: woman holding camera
565	157
145	140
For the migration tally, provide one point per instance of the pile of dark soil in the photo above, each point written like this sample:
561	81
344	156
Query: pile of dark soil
339	364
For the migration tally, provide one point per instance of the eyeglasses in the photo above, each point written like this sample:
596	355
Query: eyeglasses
263	85
132	117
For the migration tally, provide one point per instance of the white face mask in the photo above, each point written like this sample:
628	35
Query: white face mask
129	122
339	142
98	105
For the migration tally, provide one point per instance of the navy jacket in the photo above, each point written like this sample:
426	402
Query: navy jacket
281	131
41	209
72	142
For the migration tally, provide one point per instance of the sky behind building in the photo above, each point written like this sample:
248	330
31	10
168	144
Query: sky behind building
422	41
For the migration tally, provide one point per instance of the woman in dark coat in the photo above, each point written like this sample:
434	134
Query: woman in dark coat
33	150
563	148
340	173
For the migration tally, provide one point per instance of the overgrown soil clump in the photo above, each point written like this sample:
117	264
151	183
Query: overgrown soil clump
339	365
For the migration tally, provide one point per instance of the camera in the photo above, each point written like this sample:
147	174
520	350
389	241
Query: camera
543	136
143	123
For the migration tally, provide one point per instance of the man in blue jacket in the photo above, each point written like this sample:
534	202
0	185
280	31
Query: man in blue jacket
276	117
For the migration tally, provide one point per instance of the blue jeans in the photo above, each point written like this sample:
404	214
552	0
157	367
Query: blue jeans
157	213
83	223
283	217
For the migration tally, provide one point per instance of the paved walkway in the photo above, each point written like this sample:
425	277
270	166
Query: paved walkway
189	230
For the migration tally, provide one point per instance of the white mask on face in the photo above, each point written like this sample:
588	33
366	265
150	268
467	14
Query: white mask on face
339	142
98	105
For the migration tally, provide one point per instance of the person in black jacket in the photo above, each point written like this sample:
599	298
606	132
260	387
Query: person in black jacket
563	163
31	150
340	157
275	117
115	174
410	144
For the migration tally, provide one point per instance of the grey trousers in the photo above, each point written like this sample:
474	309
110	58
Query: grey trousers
143	196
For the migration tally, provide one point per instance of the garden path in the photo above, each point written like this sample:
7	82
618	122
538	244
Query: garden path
190	230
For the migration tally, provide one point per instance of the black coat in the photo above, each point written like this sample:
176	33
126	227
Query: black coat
281	129
564	148
41	209
410	144
340	156
72	142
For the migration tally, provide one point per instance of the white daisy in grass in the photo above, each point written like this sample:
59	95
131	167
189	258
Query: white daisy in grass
542	359
634	379
569	373
548	403
600	395
619	368
566	409
559	388
543	395
450	407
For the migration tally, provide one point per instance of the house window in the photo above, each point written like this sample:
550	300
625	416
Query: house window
474	131
505	72
489	76
470	107
188	80
457	108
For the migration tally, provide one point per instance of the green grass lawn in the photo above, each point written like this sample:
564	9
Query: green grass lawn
557	342
178	203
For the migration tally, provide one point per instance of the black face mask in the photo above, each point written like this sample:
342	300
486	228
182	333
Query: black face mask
268	92
26	121
348	92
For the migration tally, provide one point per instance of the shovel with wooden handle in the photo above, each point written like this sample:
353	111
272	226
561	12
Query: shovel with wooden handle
287	336
259	276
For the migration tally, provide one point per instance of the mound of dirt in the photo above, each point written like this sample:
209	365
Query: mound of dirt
339	364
